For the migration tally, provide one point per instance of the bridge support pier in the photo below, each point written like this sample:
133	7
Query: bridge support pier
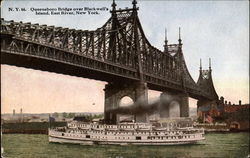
114	92
184	109
168	100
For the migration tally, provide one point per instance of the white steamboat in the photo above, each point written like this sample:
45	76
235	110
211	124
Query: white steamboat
124	133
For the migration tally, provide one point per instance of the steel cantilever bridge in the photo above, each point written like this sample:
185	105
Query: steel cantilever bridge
118	53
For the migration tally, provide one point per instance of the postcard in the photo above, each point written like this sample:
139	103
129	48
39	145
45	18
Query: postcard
124	78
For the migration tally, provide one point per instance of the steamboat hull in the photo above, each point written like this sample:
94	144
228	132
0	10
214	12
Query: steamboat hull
82	140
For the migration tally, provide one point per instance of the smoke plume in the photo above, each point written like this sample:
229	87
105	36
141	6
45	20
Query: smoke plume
142	106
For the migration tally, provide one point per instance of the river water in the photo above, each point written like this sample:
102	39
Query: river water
37	146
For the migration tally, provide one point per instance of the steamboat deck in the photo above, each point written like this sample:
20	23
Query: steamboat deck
124	134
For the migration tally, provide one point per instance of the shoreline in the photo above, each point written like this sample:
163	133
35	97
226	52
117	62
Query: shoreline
42	128
29	127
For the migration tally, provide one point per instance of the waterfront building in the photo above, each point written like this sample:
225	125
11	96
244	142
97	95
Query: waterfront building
236	116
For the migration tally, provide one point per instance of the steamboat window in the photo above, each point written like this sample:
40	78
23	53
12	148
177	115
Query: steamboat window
87	136
62	134
138	138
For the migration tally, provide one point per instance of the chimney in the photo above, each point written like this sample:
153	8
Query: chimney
14	112
21	114
239	102
225	102
222	99
229	103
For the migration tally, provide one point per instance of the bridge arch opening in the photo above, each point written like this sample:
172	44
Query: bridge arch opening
125	102
192	106
174	109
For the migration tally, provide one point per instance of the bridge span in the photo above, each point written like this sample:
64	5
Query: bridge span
118	53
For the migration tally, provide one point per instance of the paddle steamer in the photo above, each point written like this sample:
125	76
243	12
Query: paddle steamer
78	132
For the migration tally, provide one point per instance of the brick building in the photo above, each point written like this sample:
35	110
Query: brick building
235	115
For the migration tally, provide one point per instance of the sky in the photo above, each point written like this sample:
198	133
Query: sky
209	29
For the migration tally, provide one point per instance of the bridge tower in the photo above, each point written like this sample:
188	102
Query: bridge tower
179	97
136	90
205	82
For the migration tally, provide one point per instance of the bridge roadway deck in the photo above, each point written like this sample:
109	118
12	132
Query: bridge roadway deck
45	64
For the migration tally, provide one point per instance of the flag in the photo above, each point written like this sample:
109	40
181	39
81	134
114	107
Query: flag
51	119
209	119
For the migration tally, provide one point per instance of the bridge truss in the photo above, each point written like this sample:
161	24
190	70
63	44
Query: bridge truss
117	51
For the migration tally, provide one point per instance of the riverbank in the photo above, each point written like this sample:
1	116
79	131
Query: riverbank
29	127
218	127
42	128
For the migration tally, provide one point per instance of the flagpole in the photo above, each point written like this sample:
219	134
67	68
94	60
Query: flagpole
49	121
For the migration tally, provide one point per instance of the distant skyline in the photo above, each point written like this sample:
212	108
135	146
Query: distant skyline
215	29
